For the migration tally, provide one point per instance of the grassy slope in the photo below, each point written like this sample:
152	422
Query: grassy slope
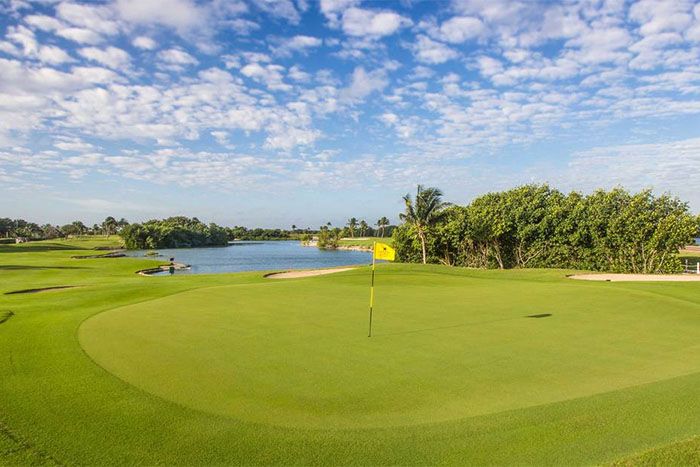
54	401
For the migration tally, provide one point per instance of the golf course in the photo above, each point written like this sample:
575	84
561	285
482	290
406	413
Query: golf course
465	366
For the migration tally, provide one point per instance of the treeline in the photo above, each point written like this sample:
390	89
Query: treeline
173	232
363	229
31	231
535	226
243	233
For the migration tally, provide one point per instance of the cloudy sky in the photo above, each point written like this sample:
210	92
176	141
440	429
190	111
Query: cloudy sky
280	112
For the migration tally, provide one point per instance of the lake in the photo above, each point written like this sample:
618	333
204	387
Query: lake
257	256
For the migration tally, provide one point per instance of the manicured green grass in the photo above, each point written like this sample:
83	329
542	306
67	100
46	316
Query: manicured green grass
364	241
235	368
685	452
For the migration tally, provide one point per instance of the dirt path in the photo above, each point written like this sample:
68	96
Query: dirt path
306	273
638	277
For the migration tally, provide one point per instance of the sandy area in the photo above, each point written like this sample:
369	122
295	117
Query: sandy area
305	273
638	277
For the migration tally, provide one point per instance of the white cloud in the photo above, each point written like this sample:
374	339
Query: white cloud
363	22
43	22
284	9
489	66
427	50
299	43
243	26
111	57
176	59
144	42
270	75
54	55
600	45
656	16
364	83
333	9
95	18
80	35
664	166
181	15
31	48
460	29
68	143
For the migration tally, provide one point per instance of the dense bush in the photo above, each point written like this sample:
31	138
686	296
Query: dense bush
329	239
537	226
173	232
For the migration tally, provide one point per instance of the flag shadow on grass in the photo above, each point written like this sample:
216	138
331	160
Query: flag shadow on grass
463	325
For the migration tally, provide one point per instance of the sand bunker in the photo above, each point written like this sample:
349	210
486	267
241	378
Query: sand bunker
638	277
305	273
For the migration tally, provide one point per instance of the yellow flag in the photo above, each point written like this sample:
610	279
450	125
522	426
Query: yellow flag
384	251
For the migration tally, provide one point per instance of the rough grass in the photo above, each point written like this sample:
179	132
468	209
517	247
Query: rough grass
611	374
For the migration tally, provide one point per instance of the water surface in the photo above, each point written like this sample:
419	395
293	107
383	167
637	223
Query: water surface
257	256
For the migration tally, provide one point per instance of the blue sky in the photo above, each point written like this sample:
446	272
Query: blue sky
280	112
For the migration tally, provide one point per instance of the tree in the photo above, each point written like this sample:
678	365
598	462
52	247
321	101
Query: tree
6	226
363	227
50	231
329	239
109	226
423	213
382	223
352	225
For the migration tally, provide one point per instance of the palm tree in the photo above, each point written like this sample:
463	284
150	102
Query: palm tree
109	225
382	223
423	212
363	227
352	225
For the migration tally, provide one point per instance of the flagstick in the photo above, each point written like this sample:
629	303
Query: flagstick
371	291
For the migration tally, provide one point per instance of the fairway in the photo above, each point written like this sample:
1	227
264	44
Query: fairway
446	346
240	369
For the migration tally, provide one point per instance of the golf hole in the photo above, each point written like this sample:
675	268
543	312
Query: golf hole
540	315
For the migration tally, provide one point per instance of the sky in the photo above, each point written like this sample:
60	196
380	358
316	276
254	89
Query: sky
278	112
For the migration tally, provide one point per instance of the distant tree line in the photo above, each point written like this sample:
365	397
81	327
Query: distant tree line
535	226
12	228
363	229
328	237
243	233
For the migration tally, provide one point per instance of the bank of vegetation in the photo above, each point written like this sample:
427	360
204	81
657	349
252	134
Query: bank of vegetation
173	232
536	226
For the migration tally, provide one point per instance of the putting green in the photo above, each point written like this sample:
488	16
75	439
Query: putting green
446	346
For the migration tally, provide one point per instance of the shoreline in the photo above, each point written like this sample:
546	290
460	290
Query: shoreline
150	272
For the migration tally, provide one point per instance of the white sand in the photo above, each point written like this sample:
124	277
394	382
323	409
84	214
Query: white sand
638	277
306	273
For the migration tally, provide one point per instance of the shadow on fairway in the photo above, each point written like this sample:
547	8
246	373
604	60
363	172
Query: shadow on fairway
38	248
463	325
5	315
21	267
42	289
